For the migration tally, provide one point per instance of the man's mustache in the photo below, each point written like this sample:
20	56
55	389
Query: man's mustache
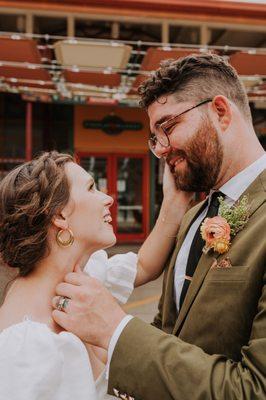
174	154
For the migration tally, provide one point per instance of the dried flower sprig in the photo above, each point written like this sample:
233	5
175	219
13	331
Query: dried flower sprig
236	215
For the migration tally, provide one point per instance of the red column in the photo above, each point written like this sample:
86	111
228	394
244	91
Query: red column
28	136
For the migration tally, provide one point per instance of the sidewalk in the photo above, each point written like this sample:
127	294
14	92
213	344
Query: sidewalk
123	248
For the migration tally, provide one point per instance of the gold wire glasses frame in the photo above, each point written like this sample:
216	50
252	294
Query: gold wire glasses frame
163	130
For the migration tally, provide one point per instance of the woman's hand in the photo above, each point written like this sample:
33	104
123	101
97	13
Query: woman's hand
172	195
158	245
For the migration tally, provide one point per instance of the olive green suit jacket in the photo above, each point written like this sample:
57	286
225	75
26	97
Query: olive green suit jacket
216	347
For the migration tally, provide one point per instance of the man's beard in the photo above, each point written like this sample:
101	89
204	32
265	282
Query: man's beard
203	155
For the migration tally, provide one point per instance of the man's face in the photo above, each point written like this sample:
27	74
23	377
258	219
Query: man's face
195	155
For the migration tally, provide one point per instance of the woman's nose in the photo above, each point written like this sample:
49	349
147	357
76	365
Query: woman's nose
108	201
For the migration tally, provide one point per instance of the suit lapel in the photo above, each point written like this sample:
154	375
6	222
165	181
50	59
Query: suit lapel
256	193
202	269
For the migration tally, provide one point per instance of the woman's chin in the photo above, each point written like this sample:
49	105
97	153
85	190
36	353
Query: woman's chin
108	241
112	242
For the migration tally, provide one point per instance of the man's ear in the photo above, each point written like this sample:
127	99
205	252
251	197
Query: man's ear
221	106
60	222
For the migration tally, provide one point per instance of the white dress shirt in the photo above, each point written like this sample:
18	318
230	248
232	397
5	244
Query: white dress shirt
232	190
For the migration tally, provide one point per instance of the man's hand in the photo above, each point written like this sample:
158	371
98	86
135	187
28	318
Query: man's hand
91	312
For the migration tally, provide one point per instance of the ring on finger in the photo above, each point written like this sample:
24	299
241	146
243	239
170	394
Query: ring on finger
62	303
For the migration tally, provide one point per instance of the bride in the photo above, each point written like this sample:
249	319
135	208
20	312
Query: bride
52	218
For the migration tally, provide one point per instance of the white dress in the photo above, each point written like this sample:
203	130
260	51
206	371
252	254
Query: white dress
38	364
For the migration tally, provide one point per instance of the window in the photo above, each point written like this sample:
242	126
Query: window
52	127
12	23
228	37
50	25
184	34
144	32
93	29
12	126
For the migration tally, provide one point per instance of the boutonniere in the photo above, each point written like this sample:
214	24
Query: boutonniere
218	231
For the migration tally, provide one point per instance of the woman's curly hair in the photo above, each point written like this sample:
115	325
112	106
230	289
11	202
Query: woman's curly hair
30	195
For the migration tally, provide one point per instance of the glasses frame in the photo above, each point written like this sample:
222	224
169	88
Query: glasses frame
170	123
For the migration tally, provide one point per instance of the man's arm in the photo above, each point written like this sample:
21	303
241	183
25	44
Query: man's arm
150	364
179	370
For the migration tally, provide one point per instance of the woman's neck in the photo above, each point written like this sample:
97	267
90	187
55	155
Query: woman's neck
32	295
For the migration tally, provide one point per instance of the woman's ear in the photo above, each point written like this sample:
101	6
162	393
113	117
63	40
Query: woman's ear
60	222
221	106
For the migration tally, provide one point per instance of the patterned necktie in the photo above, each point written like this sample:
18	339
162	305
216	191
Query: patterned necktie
197	245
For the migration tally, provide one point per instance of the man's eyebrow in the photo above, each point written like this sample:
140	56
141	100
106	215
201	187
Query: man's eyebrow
162	119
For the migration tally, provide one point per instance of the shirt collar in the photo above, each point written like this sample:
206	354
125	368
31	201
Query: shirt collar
240	182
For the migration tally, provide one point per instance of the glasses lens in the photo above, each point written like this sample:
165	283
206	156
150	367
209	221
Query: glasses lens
162	138
152	141
152	145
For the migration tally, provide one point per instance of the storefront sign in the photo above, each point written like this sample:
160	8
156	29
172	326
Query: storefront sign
112	125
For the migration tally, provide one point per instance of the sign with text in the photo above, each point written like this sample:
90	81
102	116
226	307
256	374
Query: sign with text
112	125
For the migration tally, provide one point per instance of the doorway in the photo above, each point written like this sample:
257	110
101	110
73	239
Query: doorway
126	178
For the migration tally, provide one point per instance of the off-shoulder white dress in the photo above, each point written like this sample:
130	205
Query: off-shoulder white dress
38	364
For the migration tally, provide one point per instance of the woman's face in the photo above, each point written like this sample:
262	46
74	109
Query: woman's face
88	210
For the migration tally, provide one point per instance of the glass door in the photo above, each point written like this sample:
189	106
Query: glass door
125	178
97	167
130	197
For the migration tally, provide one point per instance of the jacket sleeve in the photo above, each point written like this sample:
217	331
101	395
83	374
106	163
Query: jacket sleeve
149	364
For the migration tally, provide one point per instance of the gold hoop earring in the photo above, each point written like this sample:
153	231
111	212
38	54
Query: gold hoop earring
64	243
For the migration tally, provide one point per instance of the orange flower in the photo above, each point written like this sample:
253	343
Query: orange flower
221	245
216	232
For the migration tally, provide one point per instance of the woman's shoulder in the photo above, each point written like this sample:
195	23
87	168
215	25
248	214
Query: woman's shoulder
26	336
43	363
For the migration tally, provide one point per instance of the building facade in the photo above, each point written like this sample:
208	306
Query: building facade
69	72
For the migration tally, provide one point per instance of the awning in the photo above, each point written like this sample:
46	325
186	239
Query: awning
43	68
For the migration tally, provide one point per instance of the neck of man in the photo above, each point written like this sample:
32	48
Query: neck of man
248	152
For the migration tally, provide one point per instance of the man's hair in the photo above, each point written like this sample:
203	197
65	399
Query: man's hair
195	77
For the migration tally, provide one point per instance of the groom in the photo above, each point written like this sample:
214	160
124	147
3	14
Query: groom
208	340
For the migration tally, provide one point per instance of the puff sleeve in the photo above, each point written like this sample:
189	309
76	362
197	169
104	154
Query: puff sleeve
36	363
117	273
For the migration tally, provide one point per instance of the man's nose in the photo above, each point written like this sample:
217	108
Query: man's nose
162	151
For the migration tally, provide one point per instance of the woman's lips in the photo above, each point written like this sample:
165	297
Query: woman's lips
107	219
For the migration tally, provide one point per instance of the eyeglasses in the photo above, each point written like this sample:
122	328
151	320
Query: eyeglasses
162	137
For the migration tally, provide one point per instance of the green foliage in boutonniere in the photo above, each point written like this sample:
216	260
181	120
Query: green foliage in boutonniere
218	231
237	215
